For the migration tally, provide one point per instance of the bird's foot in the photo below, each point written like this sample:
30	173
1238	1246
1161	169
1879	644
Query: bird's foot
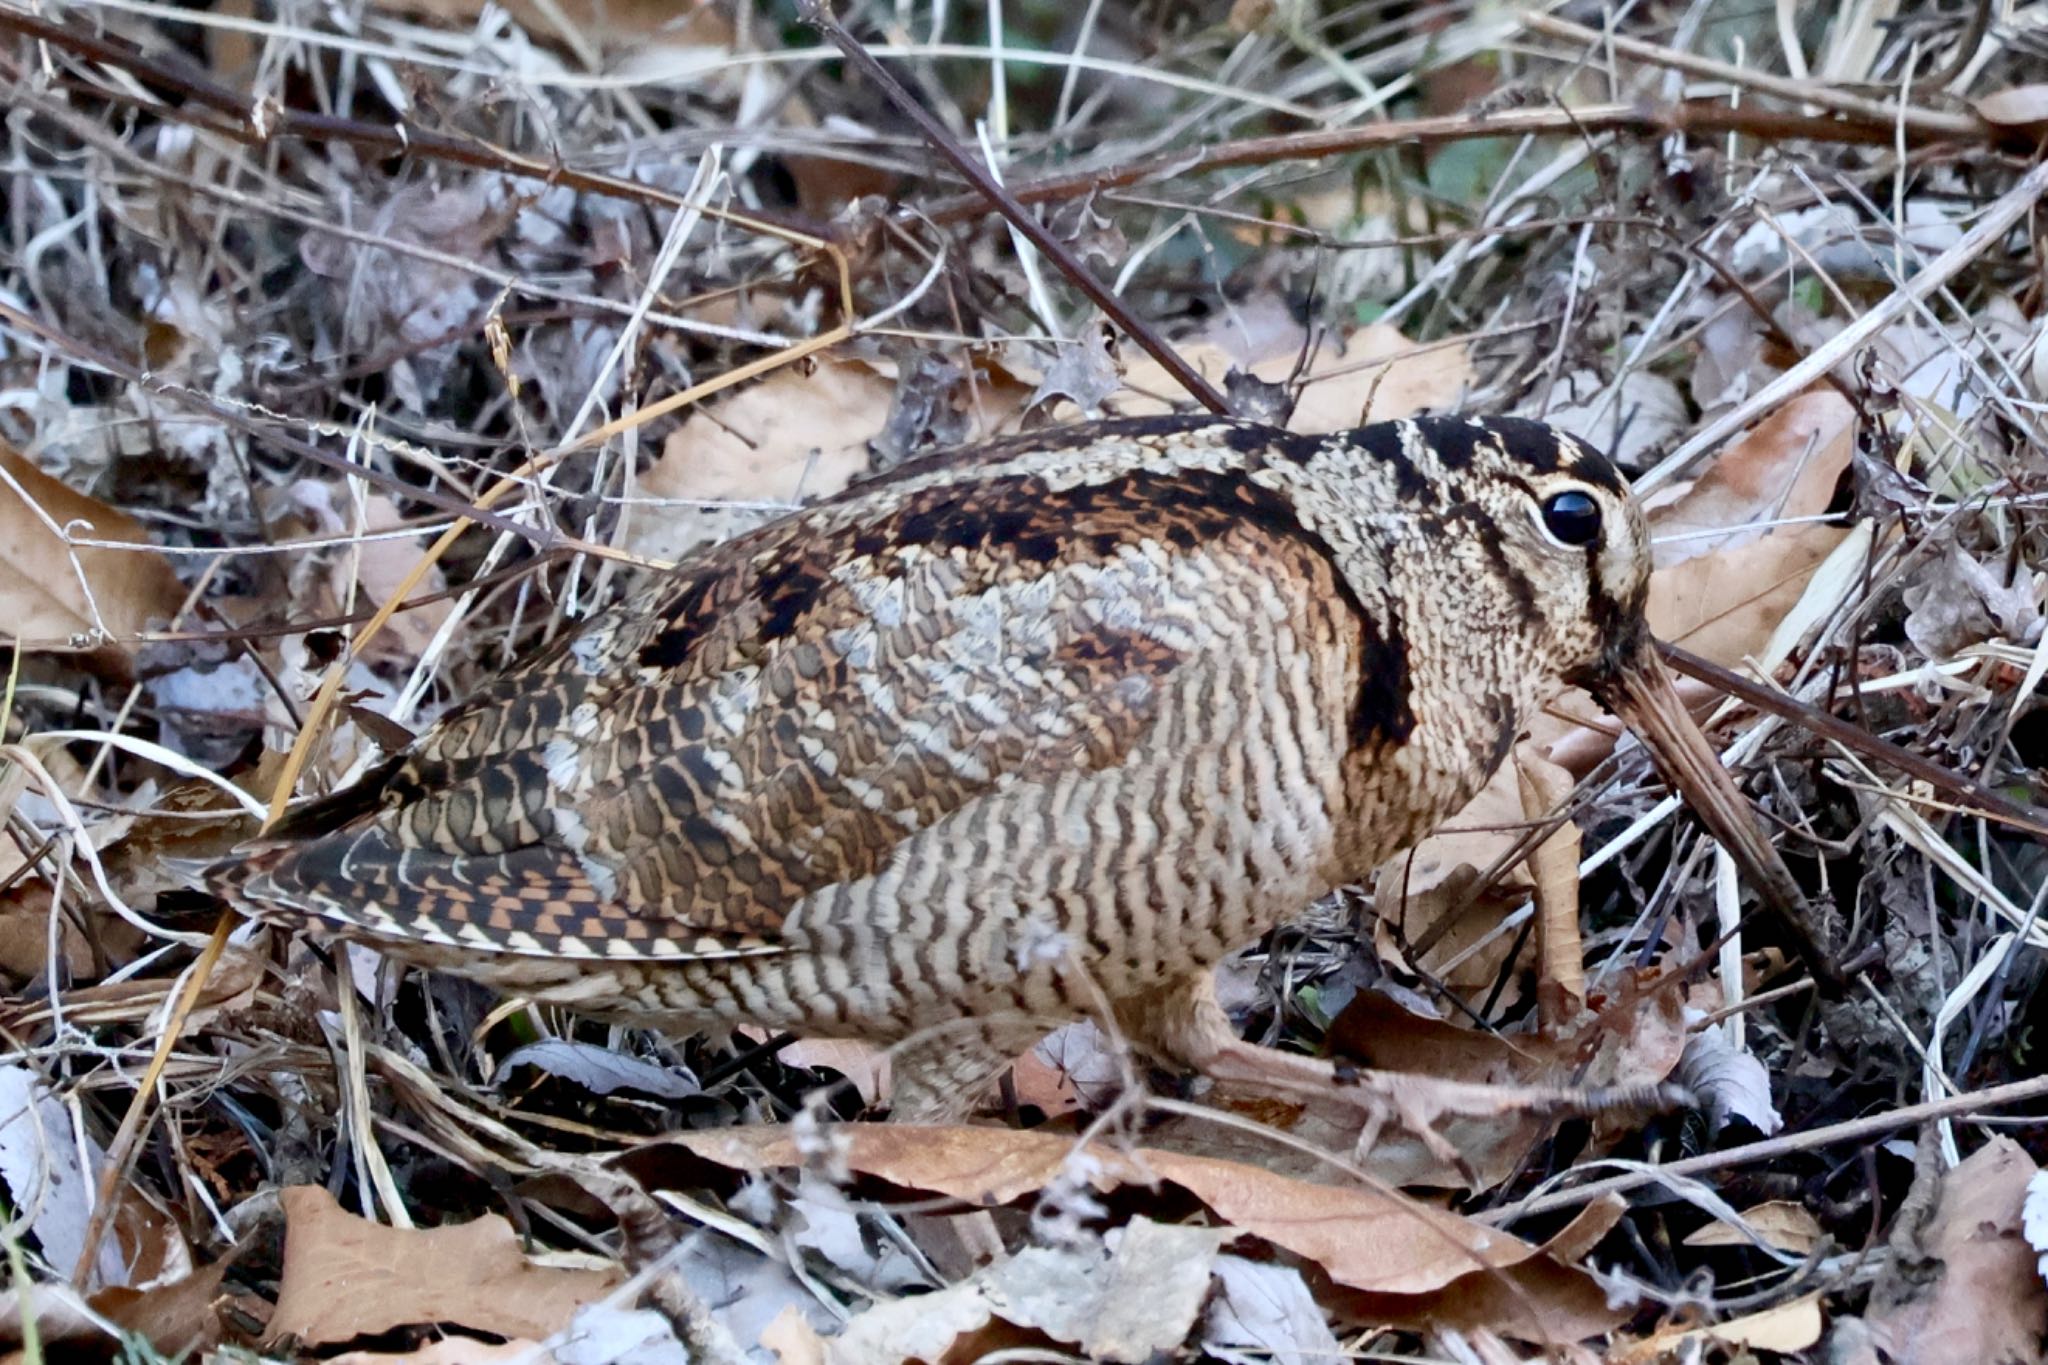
1184	1023
1415	1102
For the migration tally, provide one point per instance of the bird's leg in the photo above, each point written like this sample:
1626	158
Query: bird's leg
941	1074
1184	1024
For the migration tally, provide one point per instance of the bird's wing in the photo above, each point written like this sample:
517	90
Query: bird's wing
780	715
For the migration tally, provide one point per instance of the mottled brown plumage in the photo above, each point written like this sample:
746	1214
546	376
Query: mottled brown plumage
1014	731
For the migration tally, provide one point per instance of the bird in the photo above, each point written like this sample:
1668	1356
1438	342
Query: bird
1028	731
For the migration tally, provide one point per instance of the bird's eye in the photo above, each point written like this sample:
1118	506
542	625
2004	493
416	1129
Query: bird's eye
1572	517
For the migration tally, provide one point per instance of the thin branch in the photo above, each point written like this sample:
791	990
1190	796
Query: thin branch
819	15
1982	799
1854	1130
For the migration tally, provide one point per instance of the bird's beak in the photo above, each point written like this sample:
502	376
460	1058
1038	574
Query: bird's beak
1640	691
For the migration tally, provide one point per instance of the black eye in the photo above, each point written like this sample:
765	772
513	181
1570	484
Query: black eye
1573	517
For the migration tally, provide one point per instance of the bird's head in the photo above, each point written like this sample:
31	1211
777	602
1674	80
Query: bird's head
1549	526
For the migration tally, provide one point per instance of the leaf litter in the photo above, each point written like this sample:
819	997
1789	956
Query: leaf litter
234	384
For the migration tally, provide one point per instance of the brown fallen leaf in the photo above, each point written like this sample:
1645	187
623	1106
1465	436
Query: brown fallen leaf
865	1066
1780	1223
1362	1238
1374	375
1537	1301
177	1319
1725	579
1433	894
1977	1295
797	433
1554	867
346	1277
1786	466
54	596
1787	1328
1725	606
379	567
793	1339
1784	1329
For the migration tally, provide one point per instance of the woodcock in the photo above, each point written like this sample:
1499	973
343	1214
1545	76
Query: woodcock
1008	735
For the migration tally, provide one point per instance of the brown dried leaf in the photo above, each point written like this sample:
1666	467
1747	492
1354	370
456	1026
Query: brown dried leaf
380	568
798	433
49	591
1787	466
1375	375
1433	891
346	1277
1960	600
1361	1237
863	1064
1541	1299
1786	1328
1780	1223
1985	1300
1726	605
793	1339
1554	865
178	1318
25	933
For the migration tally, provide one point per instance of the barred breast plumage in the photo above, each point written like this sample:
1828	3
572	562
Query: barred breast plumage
1003	736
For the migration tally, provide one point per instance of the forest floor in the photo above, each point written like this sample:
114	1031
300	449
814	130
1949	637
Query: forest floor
350	353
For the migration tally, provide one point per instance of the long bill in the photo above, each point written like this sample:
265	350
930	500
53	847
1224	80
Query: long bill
1641	692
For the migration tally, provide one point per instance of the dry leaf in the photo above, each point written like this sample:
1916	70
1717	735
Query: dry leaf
178	1318
1540	1299
50	1170
55	597
2023	107
1554	864
1789	1327
1375	375
1723	584
863	1064
1362	1238
1126	1303
381	567
1726	605
1730	1083
1072	1067
793	1339
798	433
346	1277
1264	1314
1986	1303
1630	425
1780	1223
1786	1328
1961	601
1786	466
